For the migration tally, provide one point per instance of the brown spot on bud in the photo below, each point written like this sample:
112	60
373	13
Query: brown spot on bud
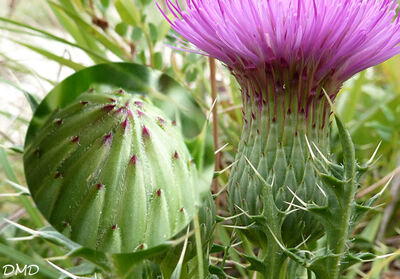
107	138
173	123
125	123
161	122
84	103
108	108
75	140
140	113
64	224
141	247
274	119
145	132
59	122
121	91
159	192
57	175
99	186
114	227
138	104
37	152
91	90
181	210
134	159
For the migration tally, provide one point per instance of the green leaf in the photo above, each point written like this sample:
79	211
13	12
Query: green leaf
26	202
137	33
128	12
153	33
121	28
90	30
157	60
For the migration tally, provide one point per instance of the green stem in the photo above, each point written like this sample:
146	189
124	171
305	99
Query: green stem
337	239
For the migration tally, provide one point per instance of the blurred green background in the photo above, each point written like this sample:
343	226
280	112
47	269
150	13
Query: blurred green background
42	42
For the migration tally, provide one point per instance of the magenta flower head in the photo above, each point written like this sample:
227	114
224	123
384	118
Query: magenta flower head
285	54
324	42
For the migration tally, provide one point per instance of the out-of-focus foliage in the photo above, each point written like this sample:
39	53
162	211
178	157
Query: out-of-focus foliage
79	33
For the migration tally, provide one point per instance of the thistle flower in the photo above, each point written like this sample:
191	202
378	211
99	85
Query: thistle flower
324	42
285	54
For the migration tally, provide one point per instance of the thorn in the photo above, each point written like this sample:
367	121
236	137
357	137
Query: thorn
91	90
211	109
173	123
221	148
112	100
232	217
176	155
159	192
57	175
329	101
181	210
243	211
322	191
297	206
120	91
297	197
386	186
276	239
64	224
322	155
239	227
84	103
141	247
374	154
290	205
303	242
309	148
114	227
256	172
99	186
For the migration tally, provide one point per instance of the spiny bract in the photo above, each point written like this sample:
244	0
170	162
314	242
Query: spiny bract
111	172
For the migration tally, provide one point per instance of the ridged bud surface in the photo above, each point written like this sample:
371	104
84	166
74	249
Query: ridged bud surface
276	124
111	172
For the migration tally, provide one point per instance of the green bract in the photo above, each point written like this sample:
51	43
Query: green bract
113	173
